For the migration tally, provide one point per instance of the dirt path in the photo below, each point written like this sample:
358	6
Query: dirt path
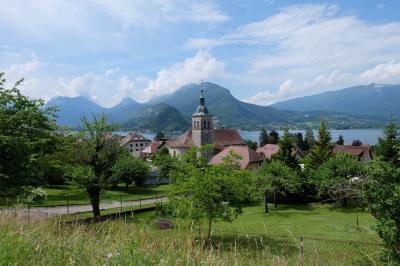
59	210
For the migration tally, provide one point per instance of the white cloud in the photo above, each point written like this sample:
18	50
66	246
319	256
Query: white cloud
22	69
50	18
110	87
315	47
388	73
192	70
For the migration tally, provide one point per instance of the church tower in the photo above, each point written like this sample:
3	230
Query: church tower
202	125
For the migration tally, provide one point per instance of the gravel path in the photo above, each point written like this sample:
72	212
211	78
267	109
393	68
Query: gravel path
59	210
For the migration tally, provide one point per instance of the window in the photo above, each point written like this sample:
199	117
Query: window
198	125
209	124
131	145
130	150
141	144
137	149
137	144
204	124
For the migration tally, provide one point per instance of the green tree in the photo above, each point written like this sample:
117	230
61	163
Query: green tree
337	172
301	142
388	145
309	138
27	136
382	194
286	147
251	144
213	192
129	169
322	150
340	140
95	153
273	137
165	162
159	136
274	179
264	137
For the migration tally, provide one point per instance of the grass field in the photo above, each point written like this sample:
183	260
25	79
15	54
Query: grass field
253	239
313	220
58	195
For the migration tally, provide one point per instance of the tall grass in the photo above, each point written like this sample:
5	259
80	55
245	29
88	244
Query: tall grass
127	242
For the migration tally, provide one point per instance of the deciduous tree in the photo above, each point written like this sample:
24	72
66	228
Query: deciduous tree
129	169
275	179
213	192
27	135
95	153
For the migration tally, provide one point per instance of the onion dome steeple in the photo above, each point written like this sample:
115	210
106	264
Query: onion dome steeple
201	109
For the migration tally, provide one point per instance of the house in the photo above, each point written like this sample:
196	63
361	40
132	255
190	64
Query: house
362	153
250	159
269	150
135	144
203	132
152	148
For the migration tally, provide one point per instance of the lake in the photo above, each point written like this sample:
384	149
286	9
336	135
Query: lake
367	136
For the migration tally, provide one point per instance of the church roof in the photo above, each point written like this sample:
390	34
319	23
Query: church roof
247	155
227	136
221	136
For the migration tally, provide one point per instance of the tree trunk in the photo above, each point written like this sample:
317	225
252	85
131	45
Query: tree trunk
266	204
94	194
275	200
344	203
209	232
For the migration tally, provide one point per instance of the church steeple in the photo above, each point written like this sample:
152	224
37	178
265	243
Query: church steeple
202	125
201	109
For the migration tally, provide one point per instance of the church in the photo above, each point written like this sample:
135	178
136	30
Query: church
203	132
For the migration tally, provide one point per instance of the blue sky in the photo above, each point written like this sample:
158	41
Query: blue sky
262	50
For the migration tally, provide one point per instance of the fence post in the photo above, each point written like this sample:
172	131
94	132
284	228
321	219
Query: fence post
120	200
29	212
301	250
140	200
67	206
357	221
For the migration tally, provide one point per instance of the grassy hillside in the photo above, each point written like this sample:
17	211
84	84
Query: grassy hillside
253	239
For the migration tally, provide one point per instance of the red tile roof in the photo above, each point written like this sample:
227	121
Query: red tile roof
363	152
248	155
153	147
227	136
221	136
268	150
183	141
133	137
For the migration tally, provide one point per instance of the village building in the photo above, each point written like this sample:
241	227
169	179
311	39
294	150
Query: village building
203	132
135	143
362	153
249	159
152	148
269	150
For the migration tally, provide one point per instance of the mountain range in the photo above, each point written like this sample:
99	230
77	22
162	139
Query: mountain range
374	99
173	112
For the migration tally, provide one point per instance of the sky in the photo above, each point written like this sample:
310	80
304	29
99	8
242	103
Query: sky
263	51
